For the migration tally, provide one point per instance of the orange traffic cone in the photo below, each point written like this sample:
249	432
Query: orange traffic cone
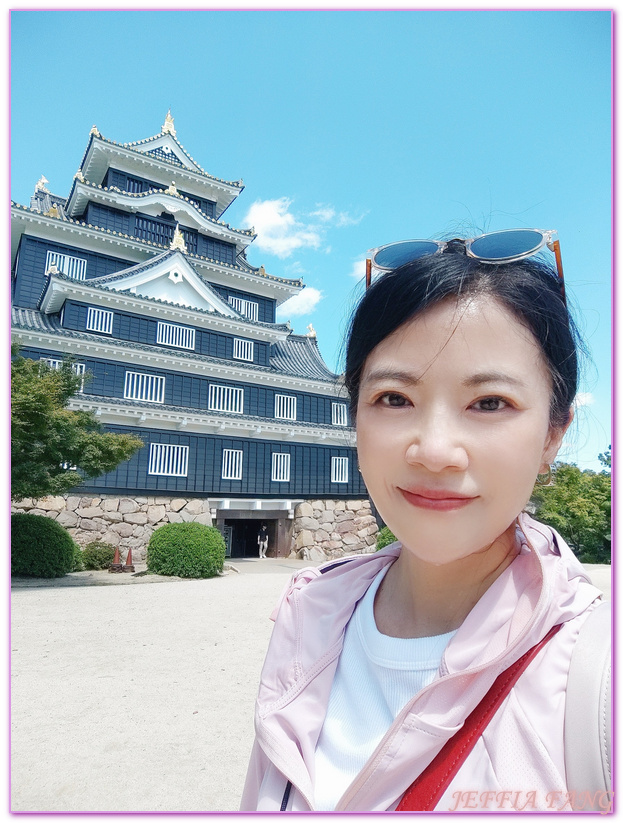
128	566
116	565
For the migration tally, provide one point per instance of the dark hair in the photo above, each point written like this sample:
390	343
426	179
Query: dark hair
529	289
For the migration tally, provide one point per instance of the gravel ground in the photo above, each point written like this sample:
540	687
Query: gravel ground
140	697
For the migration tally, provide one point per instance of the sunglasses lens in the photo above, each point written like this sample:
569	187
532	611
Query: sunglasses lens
396	254
507	244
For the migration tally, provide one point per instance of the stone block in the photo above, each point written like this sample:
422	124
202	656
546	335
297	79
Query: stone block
51	514
142	501
52	504
67	519
123	529
91	511
329	505
353	505
176	504
87	502
155	513
345	527
127	506
340	505
72	503
351	540
327	517
303	510
25	503
111	537
195	506
303	538
112	517
174	517
307	523
187	517
341	516
40	512
314	553
110	504
88	526
321	535
137	518
370	540
204	519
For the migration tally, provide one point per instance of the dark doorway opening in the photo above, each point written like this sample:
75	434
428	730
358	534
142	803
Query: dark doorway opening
244	537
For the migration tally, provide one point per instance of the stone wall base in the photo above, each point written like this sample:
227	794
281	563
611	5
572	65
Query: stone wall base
322	529
124	522
328	529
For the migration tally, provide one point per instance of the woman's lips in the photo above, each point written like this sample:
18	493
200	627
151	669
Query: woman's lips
436	499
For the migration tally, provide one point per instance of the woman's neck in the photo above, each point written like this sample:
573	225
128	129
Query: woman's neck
419	599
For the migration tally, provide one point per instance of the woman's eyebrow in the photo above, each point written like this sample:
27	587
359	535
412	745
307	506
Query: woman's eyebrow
381	375
493	377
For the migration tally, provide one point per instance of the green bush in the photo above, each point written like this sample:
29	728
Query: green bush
98	555
384	538
78	564
186	550
40	547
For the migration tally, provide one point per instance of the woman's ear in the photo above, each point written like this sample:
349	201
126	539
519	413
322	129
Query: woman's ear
554	441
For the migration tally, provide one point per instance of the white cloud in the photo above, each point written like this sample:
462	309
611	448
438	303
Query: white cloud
324	213
358	270
328	214
301	304
278	230
583	399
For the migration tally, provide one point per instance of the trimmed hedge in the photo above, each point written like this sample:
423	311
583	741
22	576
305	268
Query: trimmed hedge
40	547
186	550
98	555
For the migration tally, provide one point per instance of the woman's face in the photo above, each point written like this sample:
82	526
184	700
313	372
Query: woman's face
453	427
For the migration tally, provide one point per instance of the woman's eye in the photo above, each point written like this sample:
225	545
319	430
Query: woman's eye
391	399
490	404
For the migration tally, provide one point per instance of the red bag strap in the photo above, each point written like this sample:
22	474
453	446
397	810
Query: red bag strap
427	789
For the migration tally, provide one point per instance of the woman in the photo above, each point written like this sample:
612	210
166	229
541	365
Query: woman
462	369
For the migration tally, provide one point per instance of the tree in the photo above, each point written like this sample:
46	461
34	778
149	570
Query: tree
52	448
606	458
578	505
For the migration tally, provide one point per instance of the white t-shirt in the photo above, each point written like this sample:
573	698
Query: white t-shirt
376	676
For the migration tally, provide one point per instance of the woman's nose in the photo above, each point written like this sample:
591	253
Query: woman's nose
437	444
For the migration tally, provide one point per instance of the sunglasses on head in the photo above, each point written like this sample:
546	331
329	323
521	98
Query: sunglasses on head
495	248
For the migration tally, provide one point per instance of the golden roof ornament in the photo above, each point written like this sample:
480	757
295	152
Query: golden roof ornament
178	240
52	211
95	131
53	269
172	189
311	331
167	126
79	176
40	184
262	271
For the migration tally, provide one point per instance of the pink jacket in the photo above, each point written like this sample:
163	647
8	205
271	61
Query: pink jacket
518	763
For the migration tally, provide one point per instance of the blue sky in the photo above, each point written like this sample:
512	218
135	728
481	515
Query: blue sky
350	129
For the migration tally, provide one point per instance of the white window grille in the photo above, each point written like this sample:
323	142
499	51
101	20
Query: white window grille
339	469
246	307
139	386
243	349
281	467
338	414
285	407
77	368
74	267
170	334
99	320
225	398
232	464
169	460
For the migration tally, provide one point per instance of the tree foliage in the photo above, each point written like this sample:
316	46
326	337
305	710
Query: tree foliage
578	505
48	440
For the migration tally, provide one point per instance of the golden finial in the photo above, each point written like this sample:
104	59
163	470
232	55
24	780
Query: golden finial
40	184
311	331
172	188
167	126
79	176
52	211
178	240
95	131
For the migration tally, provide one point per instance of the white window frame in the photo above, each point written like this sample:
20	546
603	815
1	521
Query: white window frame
171	334
280	467
243	349
74	267
168	460
99	320
285	407
77	368
248	308
231	467
339	469
225	398
339	415
148	388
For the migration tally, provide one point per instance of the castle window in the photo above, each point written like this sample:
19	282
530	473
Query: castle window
285	407
338	414
225	398
281	468
168	460
243	349
74	267
148	387
246	307
77	368
232	464
170	334
99	320
339	469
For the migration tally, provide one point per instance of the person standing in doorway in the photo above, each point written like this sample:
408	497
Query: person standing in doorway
262	539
